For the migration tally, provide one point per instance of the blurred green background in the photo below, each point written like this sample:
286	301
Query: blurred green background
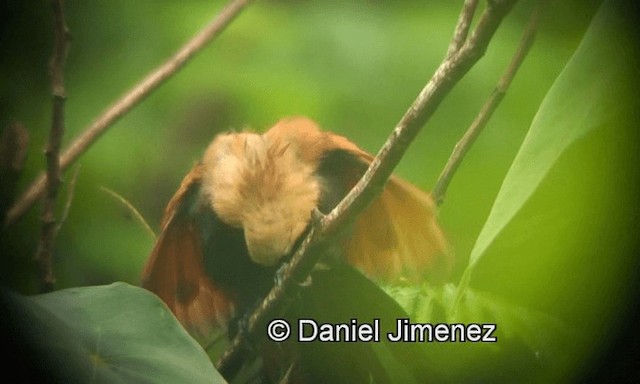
354	67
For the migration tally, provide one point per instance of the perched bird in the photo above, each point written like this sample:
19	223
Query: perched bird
240	212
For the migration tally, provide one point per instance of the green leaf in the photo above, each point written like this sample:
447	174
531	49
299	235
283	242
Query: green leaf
530	344
109	334
589	93
428	304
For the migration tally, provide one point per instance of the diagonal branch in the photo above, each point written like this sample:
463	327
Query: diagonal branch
462	147
130	99
450	71
132	210
62	39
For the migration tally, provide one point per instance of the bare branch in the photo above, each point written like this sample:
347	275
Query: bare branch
130	99
48	232
465	143
131	209
71	189
450	71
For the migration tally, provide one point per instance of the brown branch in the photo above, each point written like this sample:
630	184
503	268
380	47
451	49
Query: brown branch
450	71
61	43
129	100
464	145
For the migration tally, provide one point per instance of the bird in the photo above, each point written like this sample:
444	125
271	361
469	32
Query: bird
241	211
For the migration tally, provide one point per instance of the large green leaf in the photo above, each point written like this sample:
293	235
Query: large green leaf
530	344
109	334
590	92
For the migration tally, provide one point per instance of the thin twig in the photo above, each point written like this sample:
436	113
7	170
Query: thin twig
61	43
450	71
465	143
132	209
492	103
130	99
71	189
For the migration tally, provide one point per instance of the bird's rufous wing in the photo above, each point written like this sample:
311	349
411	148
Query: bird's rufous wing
397	236
175	270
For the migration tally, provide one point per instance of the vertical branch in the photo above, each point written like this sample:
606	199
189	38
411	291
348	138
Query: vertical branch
61	42
464	145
